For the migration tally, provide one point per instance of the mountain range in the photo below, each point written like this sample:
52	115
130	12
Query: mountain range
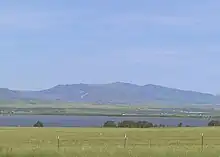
112	93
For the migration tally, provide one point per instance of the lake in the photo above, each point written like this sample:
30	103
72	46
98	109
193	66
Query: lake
90	121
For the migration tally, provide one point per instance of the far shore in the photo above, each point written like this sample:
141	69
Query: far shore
113	115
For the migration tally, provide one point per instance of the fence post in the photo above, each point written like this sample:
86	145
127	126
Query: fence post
125	141
202	142
58	142
178	142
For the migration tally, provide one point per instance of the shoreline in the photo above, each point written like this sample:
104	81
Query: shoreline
110	115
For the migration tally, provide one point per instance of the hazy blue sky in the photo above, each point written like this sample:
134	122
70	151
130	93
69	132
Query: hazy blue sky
48	42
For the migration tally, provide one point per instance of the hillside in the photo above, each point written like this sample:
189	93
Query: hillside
123	93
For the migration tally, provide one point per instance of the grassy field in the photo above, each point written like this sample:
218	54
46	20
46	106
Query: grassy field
109	142
21	108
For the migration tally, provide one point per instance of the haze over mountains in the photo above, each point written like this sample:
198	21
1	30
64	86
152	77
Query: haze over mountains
113	93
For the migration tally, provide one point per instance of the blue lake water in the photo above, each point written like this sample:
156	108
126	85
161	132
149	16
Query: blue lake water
90	121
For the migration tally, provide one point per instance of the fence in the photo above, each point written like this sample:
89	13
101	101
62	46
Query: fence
116	140
124	142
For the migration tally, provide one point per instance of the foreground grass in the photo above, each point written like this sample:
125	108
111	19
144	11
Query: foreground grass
103	142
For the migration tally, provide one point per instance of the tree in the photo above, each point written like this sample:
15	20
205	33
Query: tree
38	124
155	125
110	124
180	124
132	124
162	126
214	123
144	124
127	124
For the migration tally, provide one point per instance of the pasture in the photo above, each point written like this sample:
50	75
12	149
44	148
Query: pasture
109	142
144	110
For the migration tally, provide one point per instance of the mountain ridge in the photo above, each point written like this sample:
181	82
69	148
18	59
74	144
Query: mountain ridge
113	93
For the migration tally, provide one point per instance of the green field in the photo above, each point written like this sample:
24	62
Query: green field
144	110
107	142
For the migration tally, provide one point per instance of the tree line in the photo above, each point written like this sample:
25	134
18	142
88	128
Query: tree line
146	124
214	123
133	124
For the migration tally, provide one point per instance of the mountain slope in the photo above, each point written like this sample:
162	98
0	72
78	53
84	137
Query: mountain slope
113	93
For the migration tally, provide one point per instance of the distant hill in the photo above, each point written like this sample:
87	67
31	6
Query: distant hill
113	93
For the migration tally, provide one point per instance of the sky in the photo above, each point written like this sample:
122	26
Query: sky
172	43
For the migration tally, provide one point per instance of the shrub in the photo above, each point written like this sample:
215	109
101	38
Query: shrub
155	125
144	124
214	123
162	126
127	124
110	124
180	124
132	124
38	124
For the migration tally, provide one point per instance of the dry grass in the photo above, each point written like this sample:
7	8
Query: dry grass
103	142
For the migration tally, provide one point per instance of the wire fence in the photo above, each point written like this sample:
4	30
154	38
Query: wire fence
200	141
124	141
